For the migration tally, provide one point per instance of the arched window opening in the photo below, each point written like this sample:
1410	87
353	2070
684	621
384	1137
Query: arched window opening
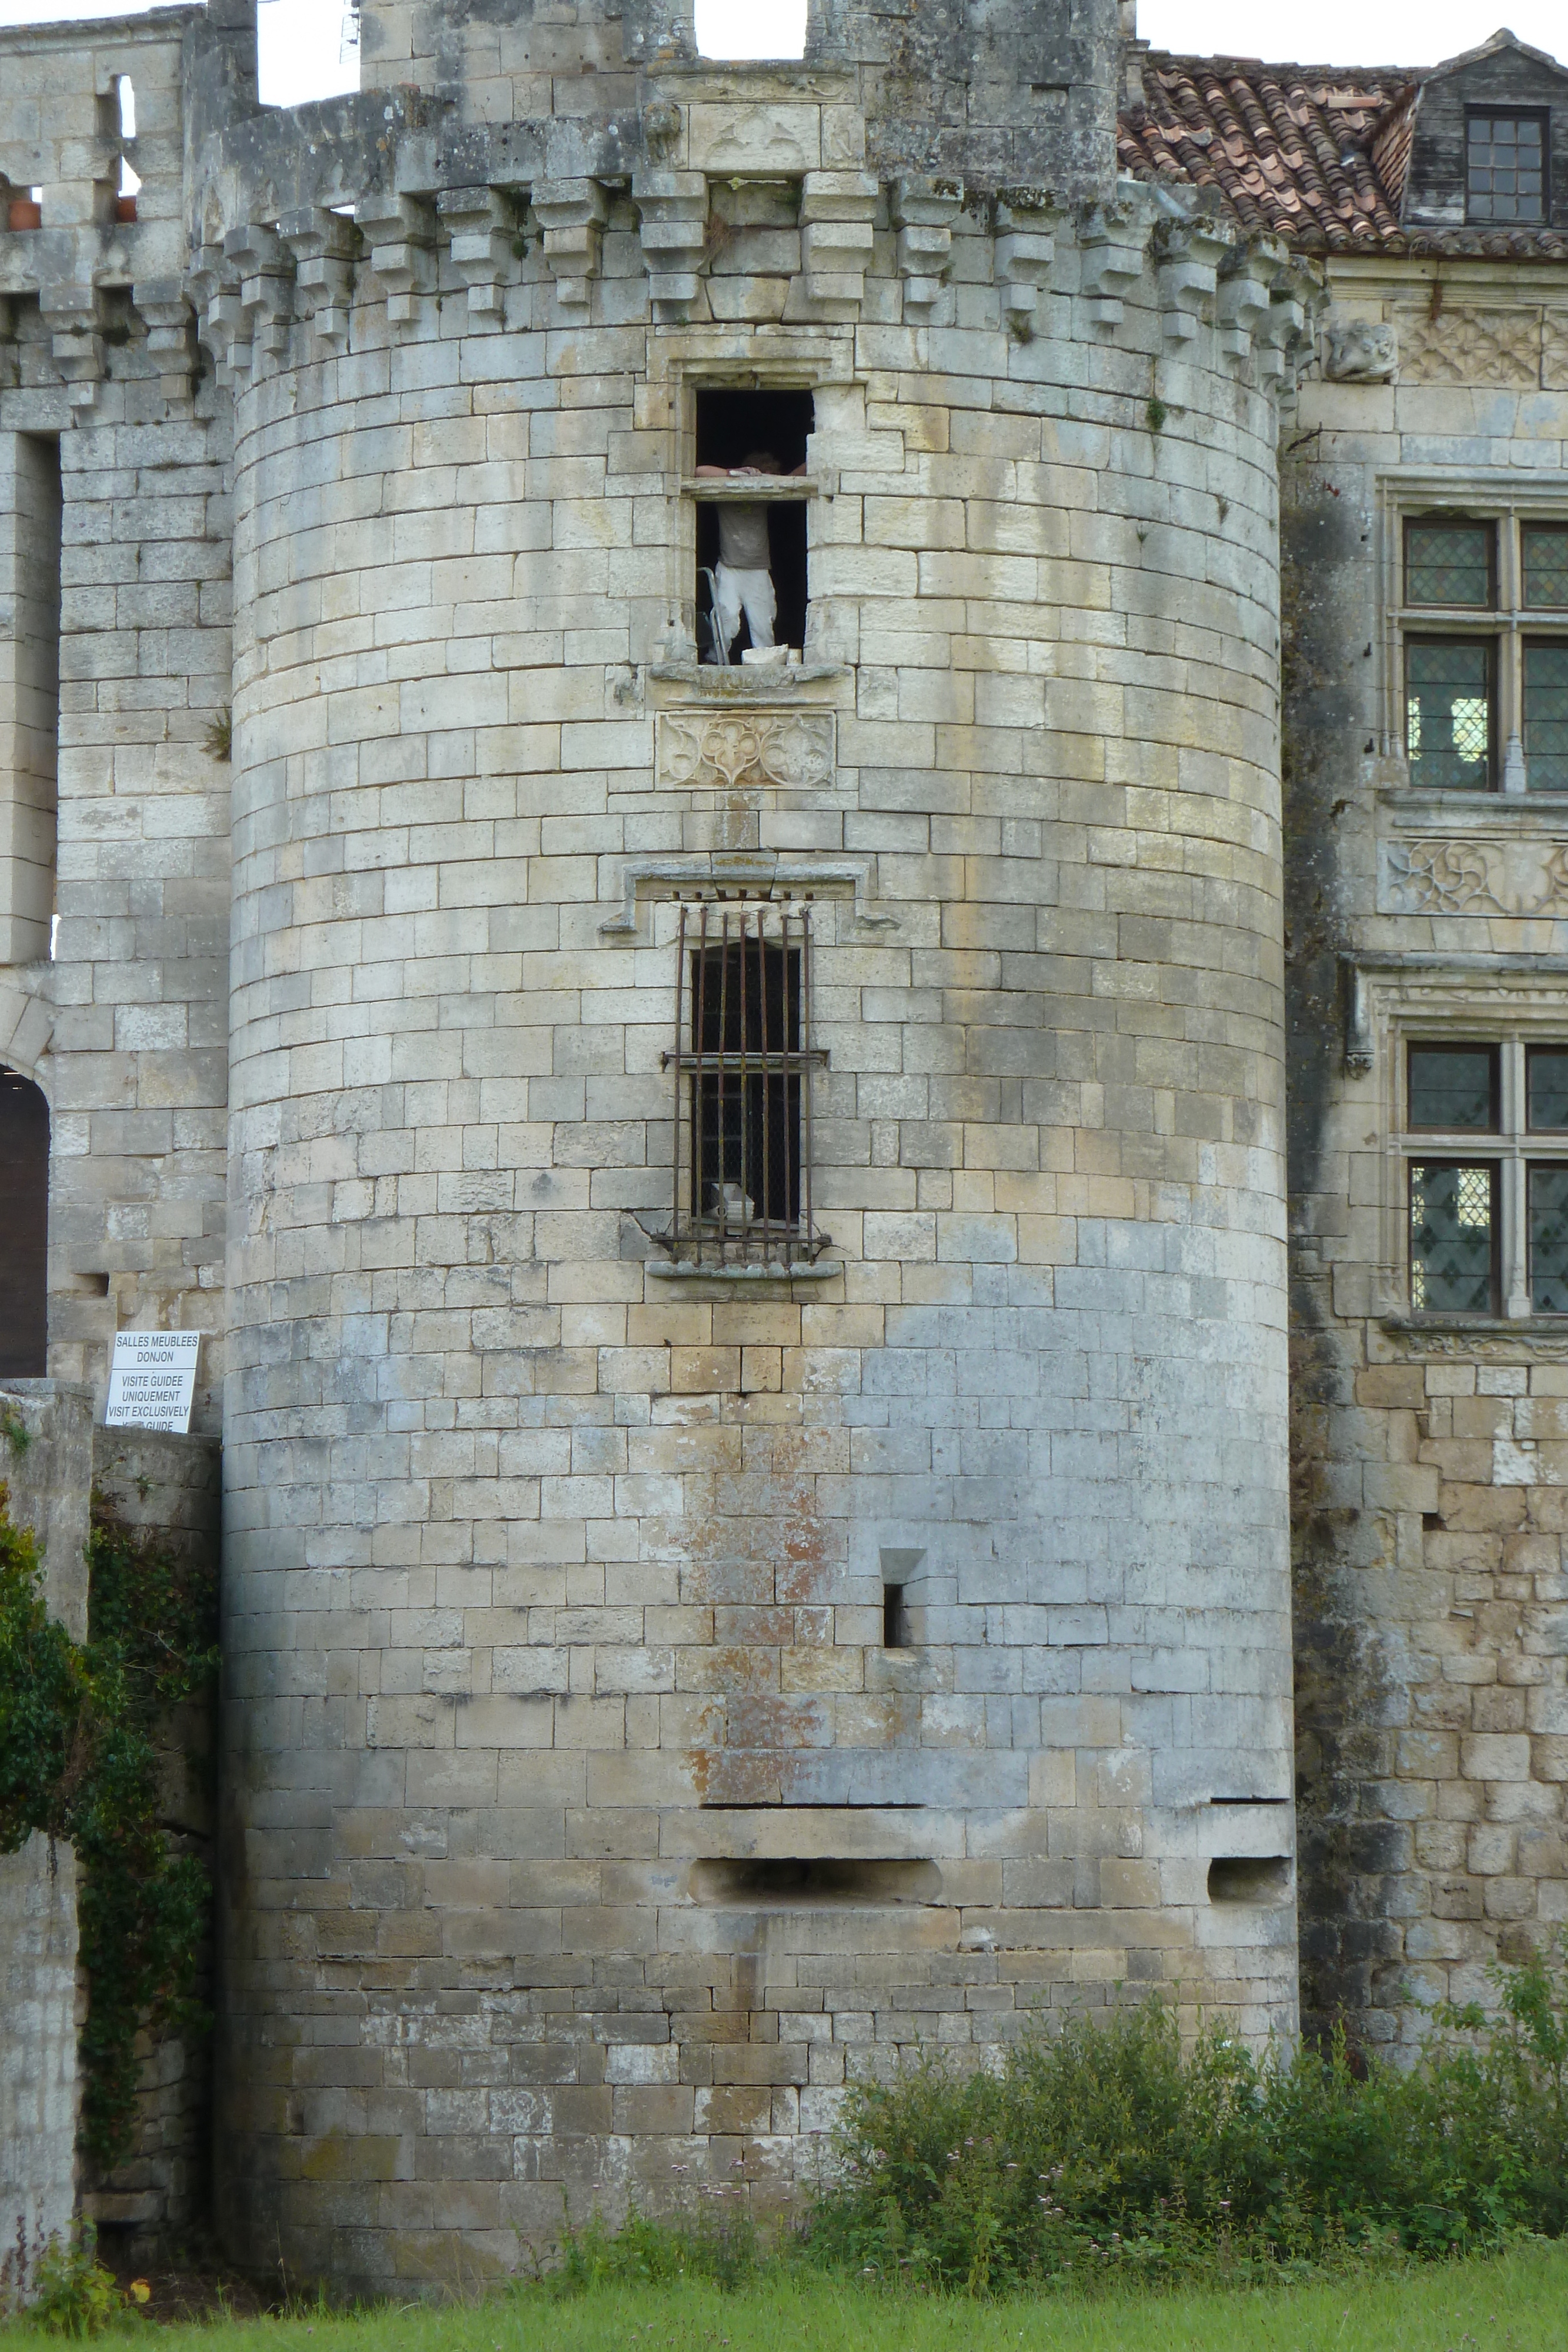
25	1189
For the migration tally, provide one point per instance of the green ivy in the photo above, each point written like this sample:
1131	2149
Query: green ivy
80	1761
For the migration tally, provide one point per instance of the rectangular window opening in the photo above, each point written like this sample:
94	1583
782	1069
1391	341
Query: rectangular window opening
1449	725
751	557
895	1619
1546	715
1545	566
742	1063
1454	1088
1450	563
1505	165
1547	1188
1546	1087
1454	1255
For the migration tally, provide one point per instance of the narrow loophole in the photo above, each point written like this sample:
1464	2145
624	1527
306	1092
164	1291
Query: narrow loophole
895	1618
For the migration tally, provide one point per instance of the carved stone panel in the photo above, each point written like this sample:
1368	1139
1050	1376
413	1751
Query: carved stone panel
1363	351
1524	878
1466	346
1554	351
739	750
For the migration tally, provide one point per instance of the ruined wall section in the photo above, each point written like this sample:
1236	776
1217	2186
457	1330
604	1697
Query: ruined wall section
1431	1623
46	1462
125	1028
555	1582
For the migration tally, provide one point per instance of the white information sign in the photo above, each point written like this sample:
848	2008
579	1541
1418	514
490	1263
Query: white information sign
152	1380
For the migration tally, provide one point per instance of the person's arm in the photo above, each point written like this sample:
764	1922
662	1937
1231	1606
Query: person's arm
712	474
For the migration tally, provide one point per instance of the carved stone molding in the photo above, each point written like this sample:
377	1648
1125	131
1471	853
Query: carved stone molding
1362	351
1470	346
725	750
1524	878
1555	350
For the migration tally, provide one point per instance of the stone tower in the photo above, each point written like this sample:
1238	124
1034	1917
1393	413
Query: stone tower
754	1338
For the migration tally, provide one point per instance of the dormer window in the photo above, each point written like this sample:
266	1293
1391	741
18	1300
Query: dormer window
1505	165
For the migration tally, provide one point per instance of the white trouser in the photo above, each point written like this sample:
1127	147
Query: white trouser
747	591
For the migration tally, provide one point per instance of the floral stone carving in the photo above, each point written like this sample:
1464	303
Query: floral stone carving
1464	346
731	751
1525	878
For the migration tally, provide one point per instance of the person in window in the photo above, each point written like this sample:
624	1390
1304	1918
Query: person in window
743	579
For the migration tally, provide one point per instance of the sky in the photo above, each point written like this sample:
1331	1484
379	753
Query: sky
304	53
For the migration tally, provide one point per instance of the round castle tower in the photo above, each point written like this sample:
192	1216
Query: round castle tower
755	1434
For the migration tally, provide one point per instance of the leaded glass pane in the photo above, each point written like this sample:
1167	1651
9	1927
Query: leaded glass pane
1449	563
1549	1240
1546	1084
1451	1240
1453	1086
1546	718
1447	711
1546	566
1504	167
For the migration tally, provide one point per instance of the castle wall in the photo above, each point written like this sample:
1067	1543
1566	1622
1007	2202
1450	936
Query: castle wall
1430	1588
46	1464
555	1580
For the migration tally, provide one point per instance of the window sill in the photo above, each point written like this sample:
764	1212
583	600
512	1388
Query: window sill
1489	1327
687	1270
742	681
1422	804
758	490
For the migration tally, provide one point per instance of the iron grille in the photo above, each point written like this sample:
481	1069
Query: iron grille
1546	716
742	1066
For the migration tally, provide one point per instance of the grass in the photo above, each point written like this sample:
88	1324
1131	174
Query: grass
1516	2302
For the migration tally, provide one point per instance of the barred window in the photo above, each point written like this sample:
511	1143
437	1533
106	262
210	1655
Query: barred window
1449	703
1482	707
742	1063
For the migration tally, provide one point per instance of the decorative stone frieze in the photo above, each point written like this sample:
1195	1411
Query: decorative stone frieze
1521	875
1555	350
731	749
1466	344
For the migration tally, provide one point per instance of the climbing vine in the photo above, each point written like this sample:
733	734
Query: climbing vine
79	1760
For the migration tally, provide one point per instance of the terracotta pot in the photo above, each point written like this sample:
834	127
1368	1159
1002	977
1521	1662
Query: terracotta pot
22	212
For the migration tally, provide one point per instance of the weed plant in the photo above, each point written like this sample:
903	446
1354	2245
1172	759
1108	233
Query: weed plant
1106	2150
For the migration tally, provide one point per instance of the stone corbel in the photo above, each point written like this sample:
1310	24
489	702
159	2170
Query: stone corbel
837	211
73	315
399	231
161	302
324	245
214	285
1190	258
483	226
266	289
1280	336
1112	243
672	223
1242	304
1026	248
572	214
924	211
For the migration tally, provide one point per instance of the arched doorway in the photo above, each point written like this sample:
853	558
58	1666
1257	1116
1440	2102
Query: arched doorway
24	1235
